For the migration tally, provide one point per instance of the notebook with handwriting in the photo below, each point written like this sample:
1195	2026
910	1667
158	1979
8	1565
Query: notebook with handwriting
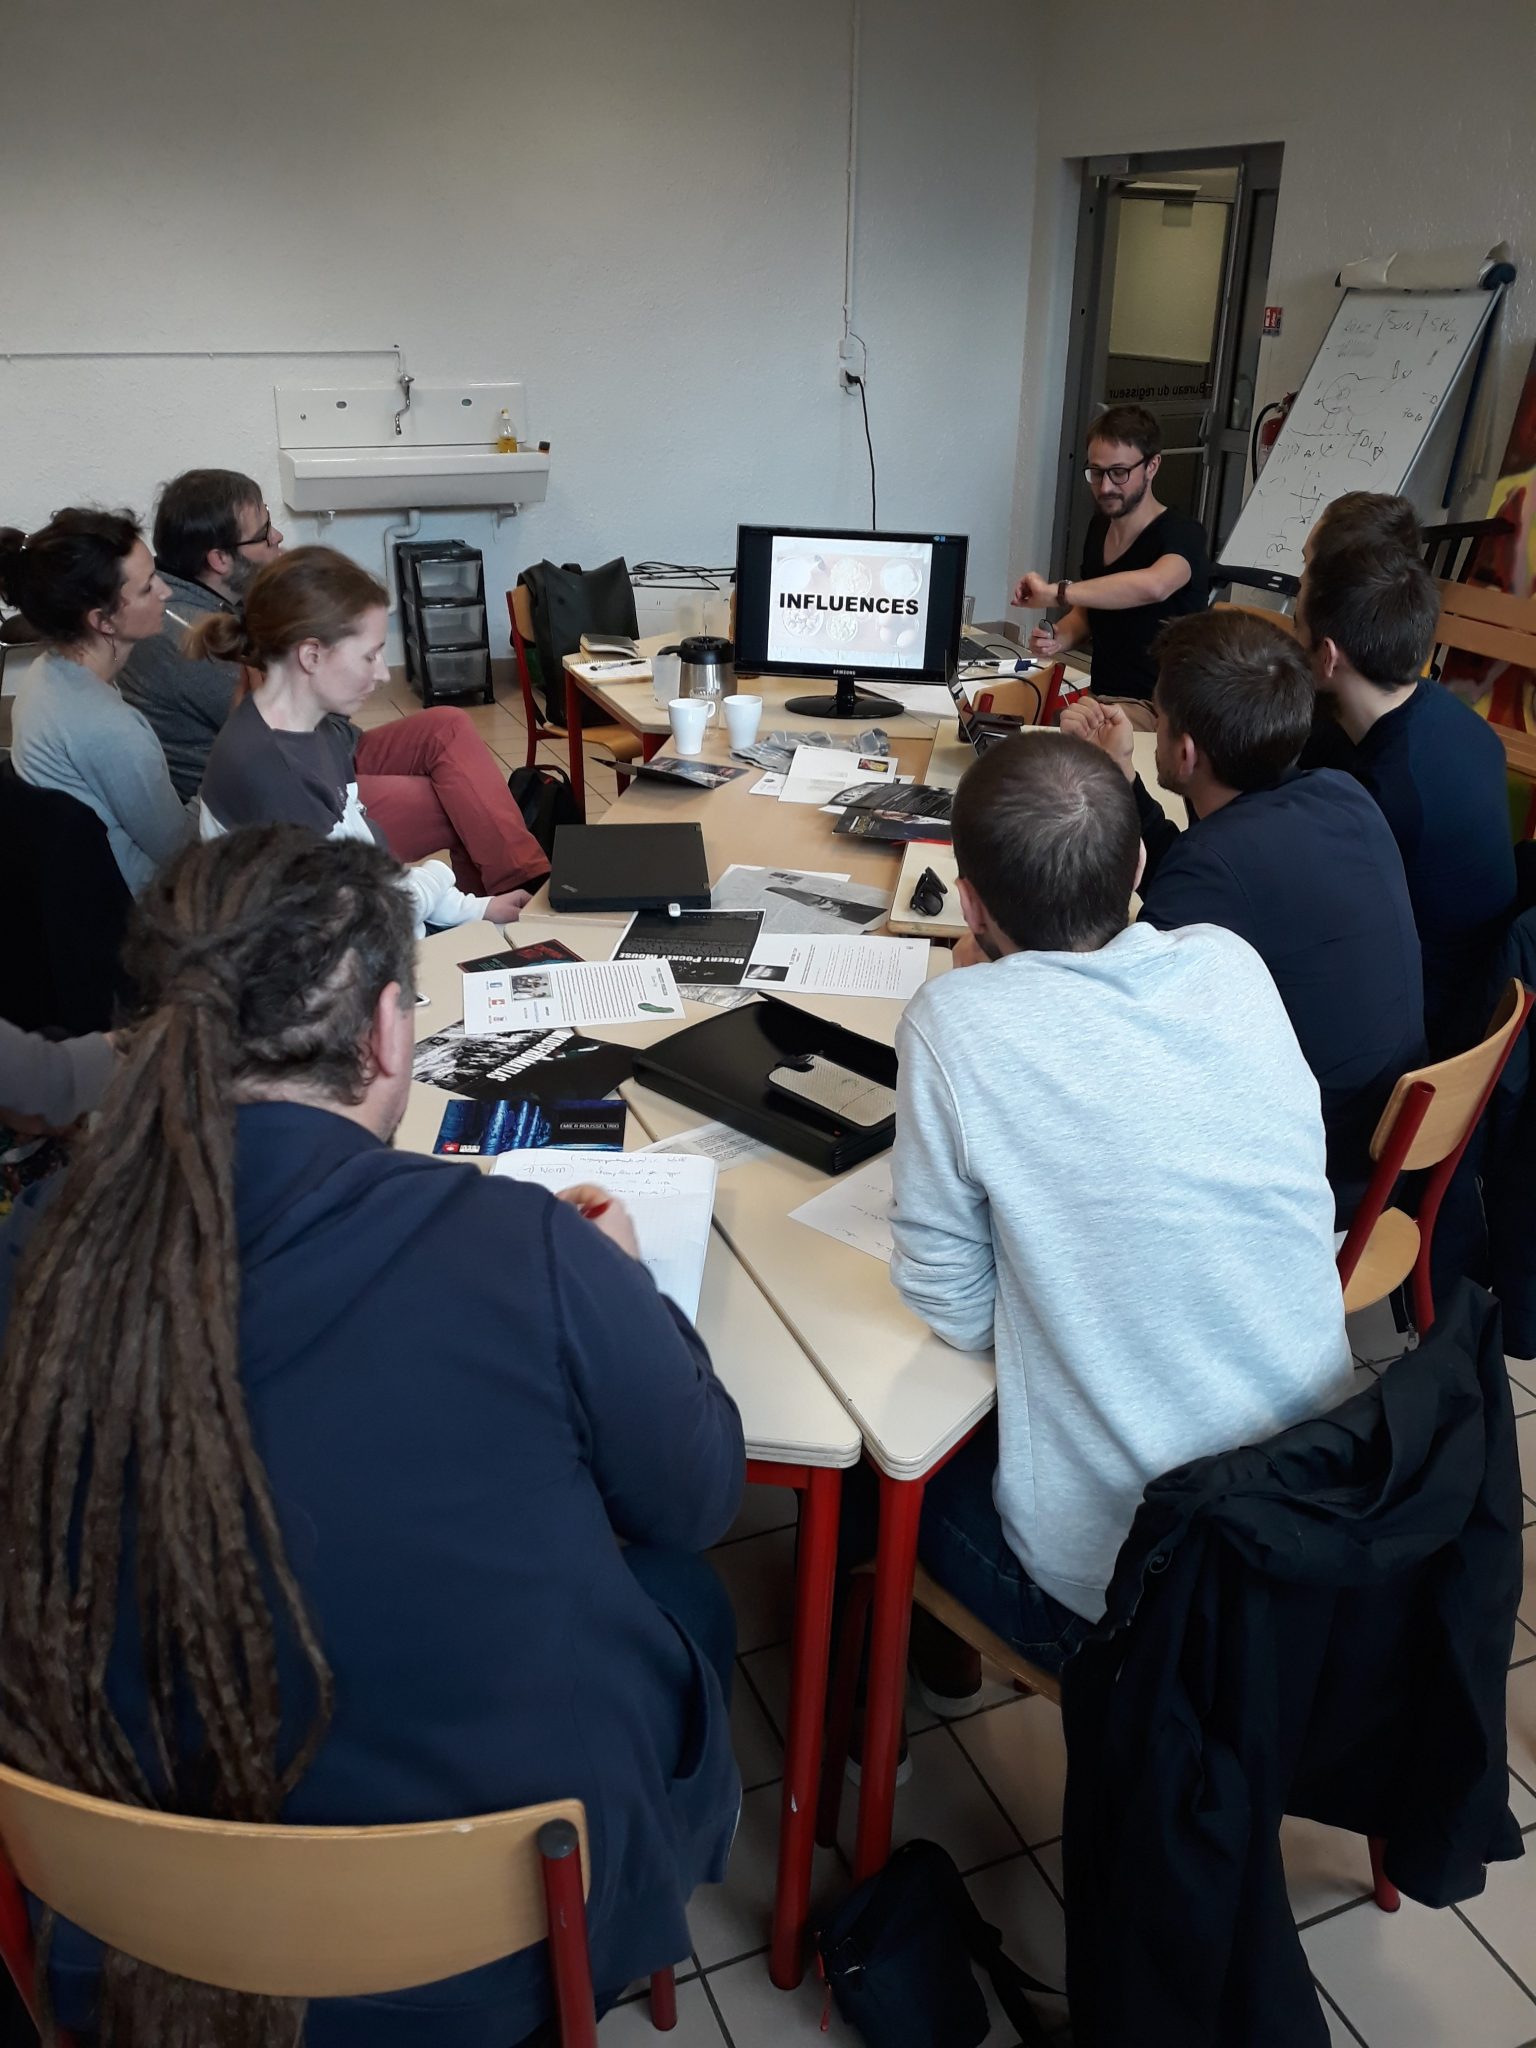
670	1195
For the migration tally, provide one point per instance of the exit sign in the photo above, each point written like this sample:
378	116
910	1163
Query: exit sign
1271	319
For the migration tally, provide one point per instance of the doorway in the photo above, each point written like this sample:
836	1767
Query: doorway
1168	312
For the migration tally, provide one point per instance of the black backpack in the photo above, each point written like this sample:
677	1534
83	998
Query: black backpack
897	1958
546	800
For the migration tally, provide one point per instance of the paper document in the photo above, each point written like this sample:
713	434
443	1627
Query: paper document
818	774
670	1195
767	784
798	900
923	700
727	1147
588	992
698	945
856	1209
782	964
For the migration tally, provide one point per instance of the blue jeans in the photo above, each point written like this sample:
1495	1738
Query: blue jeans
960	1541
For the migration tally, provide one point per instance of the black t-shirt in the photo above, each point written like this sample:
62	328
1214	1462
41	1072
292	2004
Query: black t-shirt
1122	641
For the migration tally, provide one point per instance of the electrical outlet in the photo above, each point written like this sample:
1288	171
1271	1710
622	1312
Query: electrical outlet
850	363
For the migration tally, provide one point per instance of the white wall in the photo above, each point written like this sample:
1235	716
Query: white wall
636	209
1406	124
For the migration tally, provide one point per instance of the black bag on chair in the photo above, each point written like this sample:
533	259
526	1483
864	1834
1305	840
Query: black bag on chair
546	800
567	602
897	1958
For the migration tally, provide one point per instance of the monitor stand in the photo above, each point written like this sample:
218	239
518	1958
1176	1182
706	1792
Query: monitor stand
850	702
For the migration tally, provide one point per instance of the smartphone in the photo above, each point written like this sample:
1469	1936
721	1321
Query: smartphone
838	1091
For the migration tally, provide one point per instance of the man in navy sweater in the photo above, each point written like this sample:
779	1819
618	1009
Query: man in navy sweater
1366	617
1302	866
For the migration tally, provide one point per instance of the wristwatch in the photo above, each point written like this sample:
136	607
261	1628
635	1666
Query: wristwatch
1061	593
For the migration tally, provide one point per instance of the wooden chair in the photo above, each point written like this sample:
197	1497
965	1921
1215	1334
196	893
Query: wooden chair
622	744
300	1912
1492	623
1428	1123
1451	548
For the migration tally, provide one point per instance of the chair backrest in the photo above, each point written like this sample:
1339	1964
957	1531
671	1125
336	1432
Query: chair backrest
1477	620
1451	548
1461	1085
520	610
1258	611
66	911
287	1912
520	621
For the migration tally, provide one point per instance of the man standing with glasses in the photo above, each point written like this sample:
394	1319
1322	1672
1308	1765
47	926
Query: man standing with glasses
1143	564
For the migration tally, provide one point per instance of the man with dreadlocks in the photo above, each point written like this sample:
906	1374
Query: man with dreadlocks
322	1460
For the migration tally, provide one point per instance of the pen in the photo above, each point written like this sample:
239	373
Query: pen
592	1210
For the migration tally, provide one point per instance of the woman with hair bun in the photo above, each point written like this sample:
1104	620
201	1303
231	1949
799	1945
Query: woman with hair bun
314	625
87	582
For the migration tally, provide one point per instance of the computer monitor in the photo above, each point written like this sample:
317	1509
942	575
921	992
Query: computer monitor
813	601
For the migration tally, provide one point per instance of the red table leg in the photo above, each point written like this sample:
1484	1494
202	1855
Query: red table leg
901	1506
573	702
815	1568
651	744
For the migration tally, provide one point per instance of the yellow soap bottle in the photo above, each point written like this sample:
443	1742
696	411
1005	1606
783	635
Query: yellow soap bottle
506	440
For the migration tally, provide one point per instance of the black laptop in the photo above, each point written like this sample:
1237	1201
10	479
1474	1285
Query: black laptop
629	867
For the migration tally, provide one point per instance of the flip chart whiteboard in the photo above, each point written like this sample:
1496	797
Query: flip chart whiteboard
1386	367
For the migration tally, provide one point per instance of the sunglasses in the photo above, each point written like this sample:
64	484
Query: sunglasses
928	896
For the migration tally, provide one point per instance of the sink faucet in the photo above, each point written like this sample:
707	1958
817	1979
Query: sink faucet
406	382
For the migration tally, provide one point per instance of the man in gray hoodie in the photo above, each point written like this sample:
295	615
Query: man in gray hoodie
1109	1165
212	534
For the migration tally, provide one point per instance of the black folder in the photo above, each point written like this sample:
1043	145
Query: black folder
721	1068
629	867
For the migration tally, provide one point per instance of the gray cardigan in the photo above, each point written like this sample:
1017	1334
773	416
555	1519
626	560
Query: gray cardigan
72	732
185	701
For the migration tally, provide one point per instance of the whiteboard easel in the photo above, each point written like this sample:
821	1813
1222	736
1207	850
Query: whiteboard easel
1375	395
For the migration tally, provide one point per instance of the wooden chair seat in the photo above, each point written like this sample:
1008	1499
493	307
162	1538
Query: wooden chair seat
1389	1257
928	1594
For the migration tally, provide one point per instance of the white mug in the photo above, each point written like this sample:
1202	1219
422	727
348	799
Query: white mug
666	674
689	716
743	715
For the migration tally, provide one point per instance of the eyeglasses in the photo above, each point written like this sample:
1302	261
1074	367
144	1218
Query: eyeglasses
254	540
1119	473
928	896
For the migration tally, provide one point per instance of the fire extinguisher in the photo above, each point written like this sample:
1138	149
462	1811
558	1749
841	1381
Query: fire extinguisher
1266	429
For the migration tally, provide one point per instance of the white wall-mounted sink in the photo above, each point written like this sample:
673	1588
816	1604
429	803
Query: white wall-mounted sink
409	478
404	447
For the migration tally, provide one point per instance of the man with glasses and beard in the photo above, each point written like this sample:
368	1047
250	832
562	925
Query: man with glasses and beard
213	533
1143	564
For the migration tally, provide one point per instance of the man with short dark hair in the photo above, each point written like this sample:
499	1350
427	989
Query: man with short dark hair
1109	1164
1366	618
1143	564
213	533
1302	866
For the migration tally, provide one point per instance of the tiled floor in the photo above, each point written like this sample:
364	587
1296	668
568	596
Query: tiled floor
989	1788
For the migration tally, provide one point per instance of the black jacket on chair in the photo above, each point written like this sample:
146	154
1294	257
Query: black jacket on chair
1322	1626
68	909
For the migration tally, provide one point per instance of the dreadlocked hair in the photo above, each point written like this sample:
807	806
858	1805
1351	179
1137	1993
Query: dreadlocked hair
260	959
